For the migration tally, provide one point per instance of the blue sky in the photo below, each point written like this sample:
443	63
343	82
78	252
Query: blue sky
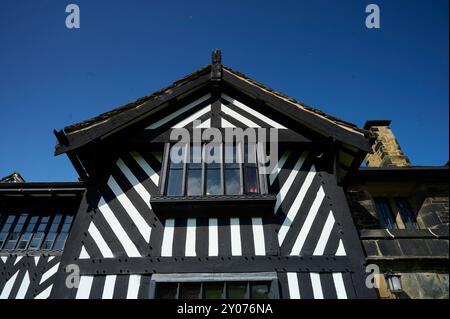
319	52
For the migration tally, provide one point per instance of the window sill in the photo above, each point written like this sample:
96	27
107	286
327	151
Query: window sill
31	253
214	205
403	233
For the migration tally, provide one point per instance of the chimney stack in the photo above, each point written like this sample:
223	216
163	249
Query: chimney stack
386	149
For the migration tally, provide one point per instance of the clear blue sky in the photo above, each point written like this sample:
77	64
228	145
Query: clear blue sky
319	52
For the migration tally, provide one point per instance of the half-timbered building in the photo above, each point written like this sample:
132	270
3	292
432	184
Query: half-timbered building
141	225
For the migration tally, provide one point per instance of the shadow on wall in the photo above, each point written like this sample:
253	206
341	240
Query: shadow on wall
363	210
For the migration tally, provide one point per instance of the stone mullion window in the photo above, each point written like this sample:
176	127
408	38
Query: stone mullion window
405	213
394	212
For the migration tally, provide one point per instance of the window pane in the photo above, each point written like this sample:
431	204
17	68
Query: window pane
250	180
194	181
48	243
260	290
385	215
195	156
406	213
59	244
31	224
9	221
39	235
175	182
213	290
213	153
36	241
231	155
2	238
166	291
55	223
236	290
213	186
177	156
15	234
6	228
50	238
10	244
67	224
190	291
20	223
232	182
23	243
43	224
250	153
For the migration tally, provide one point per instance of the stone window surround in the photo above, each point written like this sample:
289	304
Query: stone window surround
390	196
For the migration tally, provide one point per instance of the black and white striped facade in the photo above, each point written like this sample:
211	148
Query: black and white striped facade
120	243
27	277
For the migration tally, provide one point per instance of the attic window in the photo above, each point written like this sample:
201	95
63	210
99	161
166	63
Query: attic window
207	170
204	180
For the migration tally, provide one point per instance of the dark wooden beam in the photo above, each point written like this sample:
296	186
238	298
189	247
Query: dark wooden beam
84	176
149	137
61	137
214	264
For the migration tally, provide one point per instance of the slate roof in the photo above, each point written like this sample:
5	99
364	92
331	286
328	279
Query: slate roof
167	90
80	134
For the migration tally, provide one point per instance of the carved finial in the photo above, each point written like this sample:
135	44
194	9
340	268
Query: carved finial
216	66
216	56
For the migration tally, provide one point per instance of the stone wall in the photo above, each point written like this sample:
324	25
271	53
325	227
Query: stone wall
363	208
419	256
417	285
433	213
430	203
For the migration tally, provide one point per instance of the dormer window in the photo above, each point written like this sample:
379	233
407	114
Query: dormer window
208	170
212	180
